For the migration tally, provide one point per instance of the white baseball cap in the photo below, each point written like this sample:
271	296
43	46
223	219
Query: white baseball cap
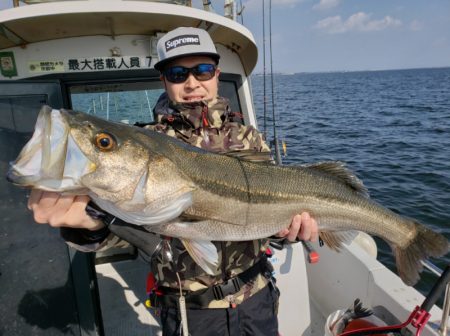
185	41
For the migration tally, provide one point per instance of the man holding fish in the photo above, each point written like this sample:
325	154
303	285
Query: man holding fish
192	112
208	202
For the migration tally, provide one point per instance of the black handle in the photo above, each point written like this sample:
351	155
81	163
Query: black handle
437	290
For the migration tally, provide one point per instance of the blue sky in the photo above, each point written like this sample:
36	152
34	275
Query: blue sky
347	35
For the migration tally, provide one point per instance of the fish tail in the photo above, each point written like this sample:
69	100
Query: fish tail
426	243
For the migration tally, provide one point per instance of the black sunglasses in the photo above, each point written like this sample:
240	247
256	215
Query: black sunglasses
179	74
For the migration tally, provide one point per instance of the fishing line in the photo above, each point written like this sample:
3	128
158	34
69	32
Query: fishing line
264	69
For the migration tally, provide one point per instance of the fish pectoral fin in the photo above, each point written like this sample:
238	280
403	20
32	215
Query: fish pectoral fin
188	217
193	218
150	215
335	239
204	253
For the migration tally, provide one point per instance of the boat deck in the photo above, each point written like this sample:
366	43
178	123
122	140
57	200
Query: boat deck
122	296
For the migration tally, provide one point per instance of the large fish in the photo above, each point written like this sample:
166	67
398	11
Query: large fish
171	188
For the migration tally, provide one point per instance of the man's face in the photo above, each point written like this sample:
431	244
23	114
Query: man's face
192	89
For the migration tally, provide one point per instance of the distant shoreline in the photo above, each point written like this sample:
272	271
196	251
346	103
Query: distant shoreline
348	71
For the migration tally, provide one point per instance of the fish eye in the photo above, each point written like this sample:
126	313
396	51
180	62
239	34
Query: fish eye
105	142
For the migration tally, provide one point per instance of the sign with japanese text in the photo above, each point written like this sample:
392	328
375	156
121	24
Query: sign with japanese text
91	64
46	66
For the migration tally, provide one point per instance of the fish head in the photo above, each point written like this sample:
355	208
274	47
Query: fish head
77	153
117	156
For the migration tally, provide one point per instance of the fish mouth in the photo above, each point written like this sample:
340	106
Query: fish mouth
51	160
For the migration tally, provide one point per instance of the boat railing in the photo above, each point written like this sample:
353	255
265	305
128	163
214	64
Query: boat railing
443	328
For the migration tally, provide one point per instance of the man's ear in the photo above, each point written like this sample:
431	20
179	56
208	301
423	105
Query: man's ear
217	75
161	78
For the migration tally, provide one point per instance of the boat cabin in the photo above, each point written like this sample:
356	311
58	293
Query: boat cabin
97	57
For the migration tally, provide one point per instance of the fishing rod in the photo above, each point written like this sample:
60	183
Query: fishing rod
274	124
312	255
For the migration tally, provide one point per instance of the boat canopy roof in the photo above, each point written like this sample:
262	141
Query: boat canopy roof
39	22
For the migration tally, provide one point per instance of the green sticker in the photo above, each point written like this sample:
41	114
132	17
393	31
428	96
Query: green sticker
8	64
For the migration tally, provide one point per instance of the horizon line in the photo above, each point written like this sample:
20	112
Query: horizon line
341	71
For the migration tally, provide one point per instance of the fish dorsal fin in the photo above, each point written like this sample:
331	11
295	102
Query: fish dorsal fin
338	170
250	155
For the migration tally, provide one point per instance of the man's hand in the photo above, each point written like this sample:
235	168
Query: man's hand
61	210
303	227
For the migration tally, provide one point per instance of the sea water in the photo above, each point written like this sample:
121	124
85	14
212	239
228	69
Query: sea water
392	128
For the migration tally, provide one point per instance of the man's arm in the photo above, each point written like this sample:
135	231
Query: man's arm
59	210
68	213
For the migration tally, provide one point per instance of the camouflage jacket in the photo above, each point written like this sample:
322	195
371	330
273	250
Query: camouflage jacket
215	128
211	126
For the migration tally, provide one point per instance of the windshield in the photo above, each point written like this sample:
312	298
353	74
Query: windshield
131	102
125	102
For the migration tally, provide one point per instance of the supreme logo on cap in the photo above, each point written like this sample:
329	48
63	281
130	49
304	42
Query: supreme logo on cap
182	40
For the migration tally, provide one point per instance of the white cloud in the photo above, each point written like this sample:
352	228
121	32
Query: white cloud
257	4
326	4
357	22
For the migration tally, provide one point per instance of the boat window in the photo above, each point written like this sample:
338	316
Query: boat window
19	114
124	102
131	102
228	89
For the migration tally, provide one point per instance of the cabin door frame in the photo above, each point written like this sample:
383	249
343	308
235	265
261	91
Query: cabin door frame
46	287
